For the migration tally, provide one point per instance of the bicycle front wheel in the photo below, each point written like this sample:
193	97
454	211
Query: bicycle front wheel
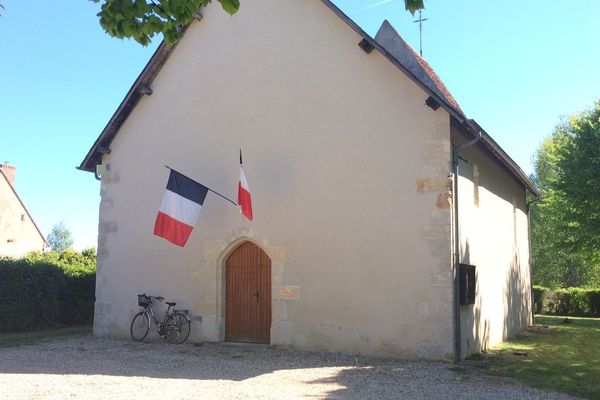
177	328
140	326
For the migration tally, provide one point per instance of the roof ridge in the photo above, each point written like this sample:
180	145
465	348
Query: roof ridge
431	74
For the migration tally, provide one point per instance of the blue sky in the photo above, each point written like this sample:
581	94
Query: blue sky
514	67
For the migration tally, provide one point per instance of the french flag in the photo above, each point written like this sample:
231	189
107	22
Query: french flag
180	207
244	199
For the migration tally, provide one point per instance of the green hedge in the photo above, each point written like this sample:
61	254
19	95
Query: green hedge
46	290
574	302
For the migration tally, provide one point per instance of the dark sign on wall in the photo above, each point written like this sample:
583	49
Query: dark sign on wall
467	284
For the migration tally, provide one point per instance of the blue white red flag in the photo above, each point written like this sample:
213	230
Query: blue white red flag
180	207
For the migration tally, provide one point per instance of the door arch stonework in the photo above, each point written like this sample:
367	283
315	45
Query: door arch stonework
216	253
248	304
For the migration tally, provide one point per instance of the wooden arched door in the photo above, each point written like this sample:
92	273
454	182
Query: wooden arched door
248	295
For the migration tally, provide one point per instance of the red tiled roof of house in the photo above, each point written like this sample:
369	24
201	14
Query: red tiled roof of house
434	77
388	38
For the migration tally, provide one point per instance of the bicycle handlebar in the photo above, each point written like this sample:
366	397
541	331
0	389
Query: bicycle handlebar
159	298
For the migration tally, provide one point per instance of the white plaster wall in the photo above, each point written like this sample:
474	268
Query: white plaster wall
347	170
494	238
18	234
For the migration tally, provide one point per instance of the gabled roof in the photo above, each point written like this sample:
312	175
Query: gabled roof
3	176
390	40
391	45
387	42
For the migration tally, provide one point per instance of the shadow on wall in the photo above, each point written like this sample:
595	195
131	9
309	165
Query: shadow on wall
516	309
501	287
482	333
482	325
517	296
477	338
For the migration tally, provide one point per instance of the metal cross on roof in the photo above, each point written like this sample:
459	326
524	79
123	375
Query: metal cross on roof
420	21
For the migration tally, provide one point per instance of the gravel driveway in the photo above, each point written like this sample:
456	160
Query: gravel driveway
99	368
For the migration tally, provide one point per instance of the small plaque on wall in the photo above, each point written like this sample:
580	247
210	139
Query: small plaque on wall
287	292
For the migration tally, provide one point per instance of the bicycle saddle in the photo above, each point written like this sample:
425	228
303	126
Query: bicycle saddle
170	303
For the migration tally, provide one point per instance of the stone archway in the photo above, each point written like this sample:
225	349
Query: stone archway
248	295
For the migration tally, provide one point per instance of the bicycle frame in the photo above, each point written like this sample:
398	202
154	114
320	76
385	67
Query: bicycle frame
175	325
149	310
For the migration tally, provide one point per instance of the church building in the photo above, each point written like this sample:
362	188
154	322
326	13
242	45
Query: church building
385	222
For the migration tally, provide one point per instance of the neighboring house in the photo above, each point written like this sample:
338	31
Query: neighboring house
348	147
18	232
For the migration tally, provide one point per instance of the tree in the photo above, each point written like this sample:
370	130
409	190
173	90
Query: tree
578	177
566	222
60	238
141	20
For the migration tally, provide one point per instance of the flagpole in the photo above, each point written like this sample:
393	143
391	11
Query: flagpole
219	194
214	191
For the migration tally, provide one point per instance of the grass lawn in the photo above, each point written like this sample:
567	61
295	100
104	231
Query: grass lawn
559	356
19	339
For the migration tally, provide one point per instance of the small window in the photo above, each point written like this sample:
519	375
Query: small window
22	217
467	284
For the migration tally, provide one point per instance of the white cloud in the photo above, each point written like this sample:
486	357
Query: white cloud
377	4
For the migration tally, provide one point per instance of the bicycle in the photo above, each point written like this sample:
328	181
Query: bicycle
175	327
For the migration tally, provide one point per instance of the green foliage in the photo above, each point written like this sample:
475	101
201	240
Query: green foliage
71	262
413	5
60	237
141	20
47	290
567	302
578	175
566	222
538	293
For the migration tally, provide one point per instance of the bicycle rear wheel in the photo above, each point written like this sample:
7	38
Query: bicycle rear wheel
140	326
177	328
